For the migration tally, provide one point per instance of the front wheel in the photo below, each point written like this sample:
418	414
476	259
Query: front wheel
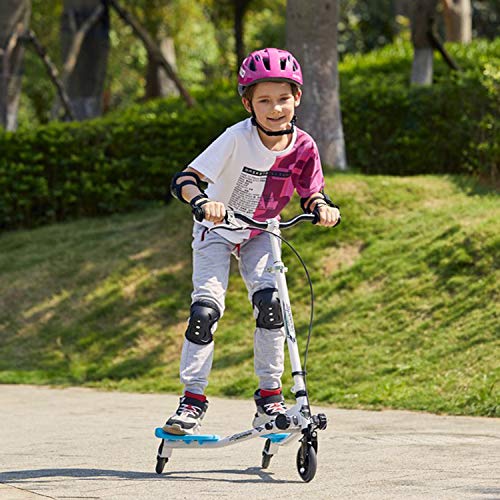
307	462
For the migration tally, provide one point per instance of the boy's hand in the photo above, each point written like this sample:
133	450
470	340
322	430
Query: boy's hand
328	216
214	211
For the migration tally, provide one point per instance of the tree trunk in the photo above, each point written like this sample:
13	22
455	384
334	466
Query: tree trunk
153	49
158	84
31	37
85	83
458	20
422	21
402	7
240	6
14	22
312	38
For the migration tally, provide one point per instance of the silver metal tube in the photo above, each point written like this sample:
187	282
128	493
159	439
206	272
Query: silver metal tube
279	269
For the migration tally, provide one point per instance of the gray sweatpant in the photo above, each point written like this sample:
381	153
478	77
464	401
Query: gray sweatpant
211	259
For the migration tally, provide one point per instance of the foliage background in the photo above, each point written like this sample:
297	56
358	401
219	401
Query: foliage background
204	42
119	162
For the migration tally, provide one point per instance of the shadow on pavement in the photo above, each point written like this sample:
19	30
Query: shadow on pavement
259	475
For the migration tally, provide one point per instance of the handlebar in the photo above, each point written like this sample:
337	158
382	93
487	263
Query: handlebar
263	225
199	215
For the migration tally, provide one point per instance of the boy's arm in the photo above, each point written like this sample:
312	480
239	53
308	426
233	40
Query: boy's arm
190	191
214	210
329	214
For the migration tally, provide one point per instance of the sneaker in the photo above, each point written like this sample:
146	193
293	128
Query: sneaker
268	408
187	418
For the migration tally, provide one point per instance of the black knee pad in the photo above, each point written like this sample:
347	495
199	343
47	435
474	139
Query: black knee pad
269	309
203	317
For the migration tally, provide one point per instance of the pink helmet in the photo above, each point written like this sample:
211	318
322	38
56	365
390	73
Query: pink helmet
269	65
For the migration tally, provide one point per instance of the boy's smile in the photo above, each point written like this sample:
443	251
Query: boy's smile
273	104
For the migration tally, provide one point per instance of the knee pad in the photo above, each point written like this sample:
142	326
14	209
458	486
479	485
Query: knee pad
268	307
203	317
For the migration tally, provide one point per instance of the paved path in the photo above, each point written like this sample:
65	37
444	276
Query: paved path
80	443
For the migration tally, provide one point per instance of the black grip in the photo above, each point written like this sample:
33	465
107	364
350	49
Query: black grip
316	216
198	212
315	212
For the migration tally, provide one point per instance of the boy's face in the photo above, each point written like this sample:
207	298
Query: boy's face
273	104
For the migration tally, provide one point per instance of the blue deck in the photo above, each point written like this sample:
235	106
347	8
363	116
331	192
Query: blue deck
204	438
201	438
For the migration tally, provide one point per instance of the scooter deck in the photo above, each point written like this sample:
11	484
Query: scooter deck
204	438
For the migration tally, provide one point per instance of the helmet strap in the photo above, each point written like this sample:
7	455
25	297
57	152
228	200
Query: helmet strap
271	133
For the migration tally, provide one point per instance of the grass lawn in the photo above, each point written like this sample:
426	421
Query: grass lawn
406	300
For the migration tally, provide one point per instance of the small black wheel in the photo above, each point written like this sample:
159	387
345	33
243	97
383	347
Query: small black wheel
266	456
307	462
160	464
160	461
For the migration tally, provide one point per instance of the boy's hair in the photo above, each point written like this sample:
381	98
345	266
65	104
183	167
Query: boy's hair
249	91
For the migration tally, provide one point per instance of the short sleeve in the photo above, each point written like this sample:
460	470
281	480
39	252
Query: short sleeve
310	179
214	159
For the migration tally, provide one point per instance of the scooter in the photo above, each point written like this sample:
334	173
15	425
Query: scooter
298	421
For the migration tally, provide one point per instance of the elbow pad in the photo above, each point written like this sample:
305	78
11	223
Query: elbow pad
182	179
306	206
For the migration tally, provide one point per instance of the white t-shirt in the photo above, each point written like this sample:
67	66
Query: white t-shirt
249	178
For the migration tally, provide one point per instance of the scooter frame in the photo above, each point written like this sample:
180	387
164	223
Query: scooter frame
298	419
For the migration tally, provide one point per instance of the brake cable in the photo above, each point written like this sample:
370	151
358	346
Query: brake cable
311	317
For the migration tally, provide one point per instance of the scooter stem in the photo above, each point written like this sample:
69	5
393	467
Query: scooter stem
279	269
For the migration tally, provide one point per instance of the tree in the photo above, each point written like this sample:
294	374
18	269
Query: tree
312	38
458	20
84	80
154	16
425	39
422	18
240	7
14	22
157	82
225	12
152	48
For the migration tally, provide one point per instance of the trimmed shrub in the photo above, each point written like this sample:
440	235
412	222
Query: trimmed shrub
449	127
108	165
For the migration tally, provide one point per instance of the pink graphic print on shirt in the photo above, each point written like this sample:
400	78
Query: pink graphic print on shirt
300	169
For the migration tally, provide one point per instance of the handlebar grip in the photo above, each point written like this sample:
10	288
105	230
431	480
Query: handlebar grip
315	212
198	212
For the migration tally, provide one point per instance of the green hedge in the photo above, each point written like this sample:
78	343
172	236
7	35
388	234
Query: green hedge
449	127
113	164
62	171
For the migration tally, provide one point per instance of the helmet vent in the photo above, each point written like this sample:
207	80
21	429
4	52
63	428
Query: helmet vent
268	65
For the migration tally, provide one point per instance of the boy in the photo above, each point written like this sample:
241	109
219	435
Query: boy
254	168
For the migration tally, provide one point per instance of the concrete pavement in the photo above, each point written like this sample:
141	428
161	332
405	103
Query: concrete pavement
81	443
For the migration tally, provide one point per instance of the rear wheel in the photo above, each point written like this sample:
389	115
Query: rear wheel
266	456
160	464
160	461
